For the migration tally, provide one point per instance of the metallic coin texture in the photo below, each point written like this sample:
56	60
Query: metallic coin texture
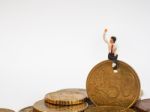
142	105
6	110
66	97
108	109
104	87
41	106
27	109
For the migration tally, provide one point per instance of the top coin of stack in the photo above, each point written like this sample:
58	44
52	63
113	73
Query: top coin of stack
66	97
106	88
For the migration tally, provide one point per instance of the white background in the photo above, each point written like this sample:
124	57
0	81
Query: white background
47	45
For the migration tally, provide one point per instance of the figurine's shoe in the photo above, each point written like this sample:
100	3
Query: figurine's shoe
115	71
113	65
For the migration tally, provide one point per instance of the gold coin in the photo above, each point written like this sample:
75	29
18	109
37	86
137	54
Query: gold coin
108	109
27	109
6	110
66	97
104	87
41	106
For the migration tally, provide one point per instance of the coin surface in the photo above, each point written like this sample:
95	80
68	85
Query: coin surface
27	109
6	110
142	105
66	97
104	87
41	106
107	109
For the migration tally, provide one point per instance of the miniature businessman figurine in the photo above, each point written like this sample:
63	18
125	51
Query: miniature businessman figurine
112	50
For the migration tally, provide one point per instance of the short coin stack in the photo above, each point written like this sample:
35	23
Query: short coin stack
66	100
112	92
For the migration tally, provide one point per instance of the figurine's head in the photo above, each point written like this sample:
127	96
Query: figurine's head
113	39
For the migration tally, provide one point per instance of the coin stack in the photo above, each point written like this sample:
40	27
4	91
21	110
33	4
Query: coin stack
106	91
65	100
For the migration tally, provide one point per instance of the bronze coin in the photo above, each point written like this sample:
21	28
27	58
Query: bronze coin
108	109
6	110
66	97
27	109
104	87
41	106
142	105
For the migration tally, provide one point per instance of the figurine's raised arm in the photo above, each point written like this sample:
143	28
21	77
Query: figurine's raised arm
112	48
104	36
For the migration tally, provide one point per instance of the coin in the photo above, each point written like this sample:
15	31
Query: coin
41	106
142	105
6	110
27	109
66	97
108	109
104	87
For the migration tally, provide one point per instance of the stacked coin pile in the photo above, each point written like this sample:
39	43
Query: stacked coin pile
65	100
106	91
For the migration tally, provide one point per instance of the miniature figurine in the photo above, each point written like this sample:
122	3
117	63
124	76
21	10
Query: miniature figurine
112	50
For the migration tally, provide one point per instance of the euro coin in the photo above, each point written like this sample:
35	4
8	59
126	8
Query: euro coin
104	87
41	106
66	97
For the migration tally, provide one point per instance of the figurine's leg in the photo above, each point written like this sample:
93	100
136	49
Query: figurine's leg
112	58
115	64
